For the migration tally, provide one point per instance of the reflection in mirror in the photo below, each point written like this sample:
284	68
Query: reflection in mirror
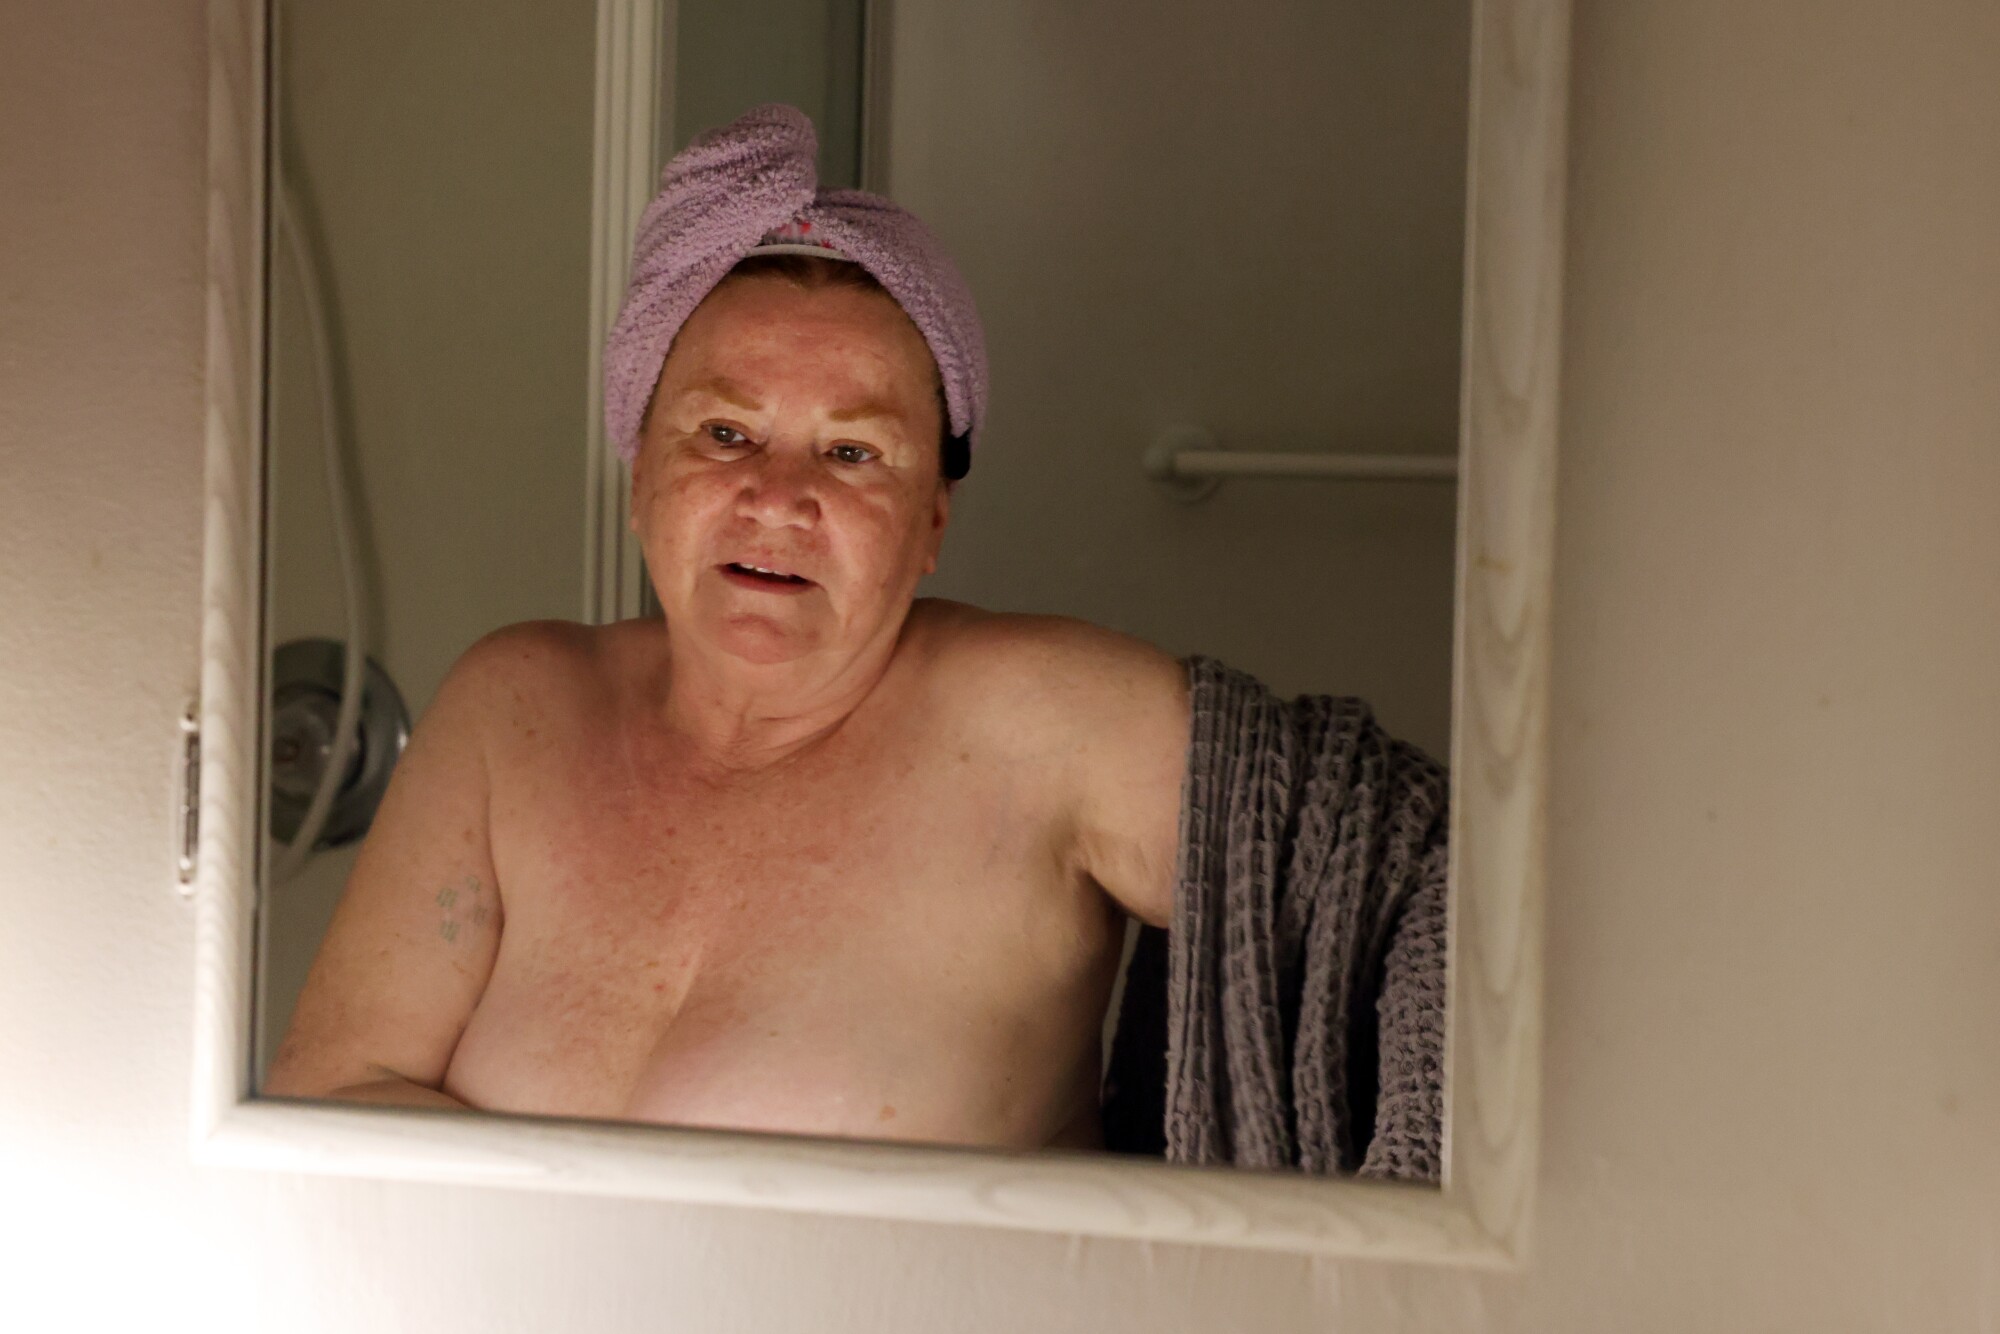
1084	801
729	57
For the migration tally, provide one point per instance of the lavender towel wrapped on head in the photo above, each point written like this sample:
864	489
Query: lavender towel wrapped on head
752	184
1294	1015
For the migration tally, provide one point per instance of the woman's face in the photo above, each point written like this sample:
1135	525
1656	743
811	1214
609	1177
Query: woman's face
795	429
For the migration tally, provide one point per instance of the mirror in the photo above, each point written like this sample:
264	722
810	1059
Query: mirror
1210	255
263	752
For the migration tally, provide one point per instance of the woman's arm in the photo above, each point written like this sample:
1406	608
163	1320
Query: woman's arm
413	940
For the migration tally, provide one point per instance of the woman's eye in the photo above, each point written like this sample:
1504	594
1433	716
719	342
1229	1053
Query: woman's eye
725	435
861	455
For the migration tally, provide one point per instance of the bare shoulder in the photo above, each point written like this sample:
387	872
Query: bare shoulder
518	674
1106	712
1055	668
530	651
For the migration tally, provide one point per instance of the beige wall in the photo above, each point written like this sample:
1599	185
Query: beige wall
442	154
731	55
1122	183
1774	932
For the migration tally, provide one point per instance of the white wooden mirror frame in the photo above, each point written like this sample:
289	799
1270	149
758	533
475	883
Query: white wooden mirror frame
1498	766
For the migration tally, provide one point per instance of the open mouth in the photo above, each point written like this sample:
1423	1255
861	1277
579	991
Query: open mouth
776	581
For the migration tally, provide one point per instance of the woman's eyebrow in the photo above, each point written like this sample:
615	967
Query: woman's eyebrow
868	410
737	396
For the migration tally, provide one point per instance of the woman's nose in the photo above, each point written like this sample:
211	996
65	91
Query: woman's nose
781	487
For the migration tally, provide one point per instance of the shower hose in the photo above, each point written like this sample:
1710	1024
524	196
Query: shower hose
293	855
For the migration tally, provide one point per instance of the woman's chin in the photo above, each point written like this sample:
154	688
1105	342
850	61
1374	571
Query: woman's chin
763	639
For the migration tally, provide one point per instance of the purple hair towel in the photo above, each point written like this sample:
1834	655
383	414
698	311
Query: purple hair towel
750	184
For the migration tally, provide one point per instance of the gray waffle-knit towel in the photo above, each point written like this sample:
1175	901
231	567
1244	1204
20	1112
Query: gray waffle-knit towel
1293	1016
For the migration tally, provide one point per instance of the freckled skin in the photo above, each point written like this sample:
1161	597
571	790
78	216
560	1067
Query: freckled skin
843	862
900	929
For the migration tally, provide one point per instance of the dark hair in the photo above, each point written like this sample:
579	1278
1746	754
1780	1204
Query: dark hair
808	271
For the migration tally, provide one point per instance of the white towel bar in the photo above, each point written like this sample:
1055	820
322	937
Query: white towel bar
1190	462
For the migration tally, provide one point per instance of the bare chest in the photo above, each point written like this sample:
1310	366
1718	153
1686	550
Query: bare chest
897	946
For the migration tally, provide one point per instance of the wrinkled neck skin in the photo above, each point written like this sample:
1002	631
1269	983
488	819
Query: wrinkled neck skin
730	720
